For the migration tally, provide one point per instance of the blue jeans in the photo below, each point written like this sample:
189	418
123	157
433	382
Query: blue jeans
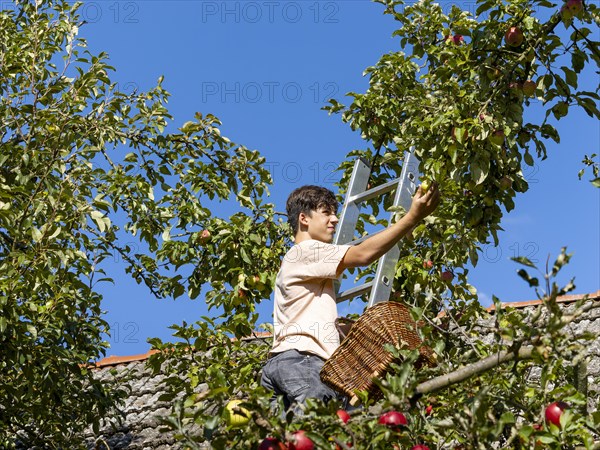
295	376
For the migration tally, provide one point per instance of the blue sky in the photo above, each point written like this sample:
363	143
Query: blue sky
265	69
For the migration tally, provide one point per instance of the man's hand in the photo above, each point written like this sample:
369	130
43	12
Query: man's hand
424	203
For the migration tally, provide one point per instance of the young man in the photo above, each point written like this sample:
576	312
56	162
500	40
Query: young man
305	307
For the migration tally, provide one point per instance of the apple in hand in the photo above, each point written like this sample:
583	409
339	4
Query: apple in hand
300	442
425	185
393	419
514	36
554	411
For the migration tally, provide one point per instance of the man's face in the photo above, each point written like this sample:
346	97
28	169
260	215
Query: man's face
322	224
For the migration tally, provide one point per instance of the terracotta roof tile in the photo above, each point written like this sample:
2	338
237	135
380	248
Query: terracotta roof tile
561	299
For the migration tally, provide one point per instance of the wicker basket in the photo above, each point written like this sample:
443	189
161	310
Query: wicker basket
362	356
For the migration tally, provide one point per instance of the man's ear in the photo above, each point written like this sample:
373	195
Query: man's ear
303	219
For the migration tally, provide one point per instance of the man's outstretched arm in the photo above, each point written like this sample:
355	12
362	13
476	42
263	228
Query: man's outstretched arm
377	245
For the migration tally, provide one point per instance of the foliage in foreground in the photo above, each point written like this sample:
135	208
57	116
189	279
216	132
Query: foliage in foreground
498	408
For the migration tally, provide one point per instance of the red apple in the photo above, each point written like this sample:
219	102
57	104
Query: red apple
447	275
428	264
420	447
457	39
575	7
566	13
514	36
270	443
554	411
204	236
529	87
343	415
497	137
300	442
393	419
429	410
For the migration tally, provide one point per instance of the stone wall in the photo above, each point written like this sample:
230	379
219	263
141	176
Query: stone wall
141	413
587	322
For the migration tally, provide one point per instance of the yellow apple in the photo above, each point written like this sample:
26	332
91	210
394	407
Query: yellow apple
237	418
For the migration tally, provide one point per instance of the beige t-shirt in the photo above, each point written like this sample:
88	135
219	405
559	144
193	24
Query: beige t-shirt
305	307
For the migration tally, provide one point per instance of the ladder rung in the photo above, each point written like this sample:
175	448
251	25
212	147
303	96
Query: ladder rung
374	192
354	291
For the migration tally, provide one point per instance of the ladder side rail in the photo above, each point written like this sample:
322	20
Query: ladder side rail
386	267
350	211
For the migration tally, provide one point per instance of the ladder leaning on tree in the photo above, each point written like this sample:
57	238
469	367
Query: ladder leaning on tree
405	186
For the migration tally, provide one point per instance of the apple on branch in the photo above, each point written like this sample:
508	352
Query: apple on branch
554	411
514	37
456	39
447	276
572	8
235	415
529	88
343	415
393	419
300	441
270	443
497	137
204	237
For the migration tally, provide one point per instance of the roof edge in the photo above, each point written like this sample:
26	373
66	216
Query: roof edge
561	299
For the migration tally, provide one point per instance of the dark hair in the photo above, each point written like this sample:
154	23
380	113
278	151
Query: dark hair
306	199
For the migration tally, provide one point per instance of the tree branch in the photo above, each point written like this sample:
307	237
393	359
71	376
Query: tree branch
467	372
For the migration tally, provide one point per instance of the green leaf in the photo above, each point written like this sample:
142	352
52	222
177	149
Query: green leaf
523	260
570	76
530	280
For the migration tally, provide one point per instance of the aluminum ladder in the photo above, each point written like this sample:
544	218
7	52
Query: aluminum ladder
405	186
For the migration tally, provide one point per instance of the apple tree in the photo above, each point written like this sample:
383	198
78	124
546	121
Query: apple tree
461	92
85	170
